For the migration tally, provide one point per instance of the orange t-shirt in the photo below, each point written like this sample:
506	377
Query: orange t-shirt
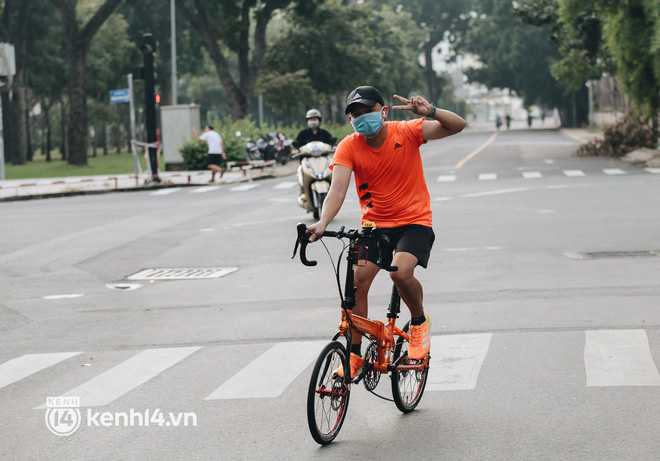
389	181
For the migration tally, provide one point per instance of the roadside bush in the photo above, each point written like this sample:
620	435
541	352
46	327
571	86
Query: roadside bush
629	133
195	155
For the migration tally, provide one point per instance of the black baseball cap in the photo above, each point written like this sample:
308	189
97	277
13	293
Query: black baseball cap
364	95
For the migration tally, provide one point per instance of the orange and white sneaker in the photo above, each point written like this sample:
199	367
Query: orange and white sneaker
420	339
356	366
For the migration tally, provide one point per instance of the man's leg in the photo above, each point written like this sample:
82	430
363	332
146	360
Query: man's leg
410	289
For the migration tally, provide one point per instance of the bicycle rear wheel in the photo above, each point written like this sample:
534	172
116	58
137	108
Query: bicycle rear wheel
407	386
327	397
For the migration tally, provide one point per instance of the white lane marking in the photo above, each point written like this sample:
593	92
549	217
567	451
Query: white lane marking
619	358
166	191
456	361
68	296
286	185
614	171
653	170
549	161
280	365
22	367
532	174
487	177
201	190
447	178
126	376
574	173
244	187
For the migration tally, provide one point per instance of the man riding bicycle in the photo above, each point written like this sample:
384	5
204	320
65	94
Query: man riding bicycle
389	177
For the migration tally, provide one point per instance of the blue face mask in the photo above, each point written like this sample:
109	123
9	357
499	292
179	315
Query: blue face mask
368	124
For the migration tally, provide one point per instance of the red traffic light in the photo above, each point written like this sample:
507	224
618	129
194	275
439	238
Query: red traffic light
157	99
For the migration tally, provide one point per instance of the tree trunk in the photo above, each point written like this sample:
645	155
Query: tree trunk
64	142
8	130
105	139
429	74
48	135
19	106
30	150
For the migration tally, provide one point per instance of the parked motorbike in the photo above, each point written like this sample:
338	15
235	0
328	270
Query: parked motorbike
269	146
314	176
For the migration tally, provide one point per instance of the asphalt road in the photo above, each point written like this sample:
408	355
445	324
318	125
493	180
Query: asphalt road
542	286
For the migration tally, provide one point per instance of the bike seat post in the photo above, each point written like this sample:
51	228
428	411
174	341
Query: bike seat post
395	304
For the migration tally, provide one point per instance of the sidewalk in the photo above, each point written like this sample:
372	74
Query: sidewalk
27	189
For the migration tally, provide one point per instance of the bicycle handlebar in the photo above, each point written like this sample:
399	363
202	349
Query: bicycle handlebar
353	234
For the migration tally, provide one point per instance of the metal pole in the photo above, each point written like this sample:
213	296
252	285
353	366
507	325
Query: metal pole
173	42
590	86
131	104
261	110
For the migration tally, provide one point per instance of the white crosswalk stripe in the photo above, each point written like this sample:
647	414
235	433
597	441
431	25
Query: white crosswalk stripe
614	171
611	358
619	358
22	367
487	177
456	361
168	191
128	375
201	190
244	187
286	185
574	173
447	178
282	363
532	174
653	170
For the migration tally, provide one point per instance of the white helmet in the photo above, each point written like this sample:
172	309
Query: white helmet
313	113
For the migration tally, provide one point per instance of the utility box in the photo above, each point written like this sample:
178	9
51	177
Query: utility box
177	123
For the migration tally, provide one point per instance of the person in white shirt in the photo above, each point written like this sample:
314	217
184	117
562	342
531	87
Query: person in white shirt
216	150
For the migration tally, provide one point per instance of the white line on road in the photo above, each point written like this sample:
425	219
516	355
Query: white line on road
614	171
653	170
166	191
487	177
126	376
532	174
201	190
281	364
22	367
244	187
447	178
456	361
574	173
619	358
286	185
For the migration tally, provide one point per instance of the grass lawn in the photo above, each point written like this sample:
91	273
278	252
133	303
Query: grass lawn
100	165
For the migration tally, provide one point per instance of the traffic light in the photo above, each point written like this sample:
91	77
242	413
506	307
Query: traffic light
157	98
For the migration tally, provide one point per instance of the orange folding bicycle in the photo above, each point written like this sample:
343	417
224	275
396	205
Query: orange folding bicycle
387	352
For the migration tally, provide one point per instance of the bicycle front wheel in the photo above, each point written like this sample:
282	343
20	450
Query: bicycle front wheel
407	386
327	397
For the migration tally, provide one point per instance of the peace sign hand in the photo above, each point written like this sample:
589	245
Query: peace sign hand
416	105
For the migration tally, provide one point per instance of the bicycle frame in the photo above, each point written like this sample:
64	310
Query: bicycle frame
383	334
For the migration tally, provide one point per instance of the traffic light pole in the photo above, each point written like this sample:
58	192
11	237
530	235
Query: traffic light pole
149	48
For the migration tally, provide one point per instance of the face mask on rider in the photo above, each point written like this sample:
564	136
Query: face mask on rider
313	124
368	124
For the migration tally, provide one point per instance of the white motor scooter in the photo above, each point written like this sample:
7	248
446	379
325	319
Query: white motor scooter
314	175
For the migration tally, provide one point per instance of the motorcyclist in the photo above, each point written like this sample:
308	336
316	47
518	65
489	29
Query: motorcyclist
313	132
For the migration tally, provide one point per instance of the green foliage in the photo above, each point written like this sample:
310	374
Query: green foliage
337	47
195	155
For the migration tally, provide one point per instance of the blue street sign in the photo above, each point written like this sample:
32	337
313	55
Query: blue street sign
117	96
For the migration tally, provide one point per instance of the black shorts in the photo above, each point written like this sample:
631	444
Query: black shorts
414	239
216	159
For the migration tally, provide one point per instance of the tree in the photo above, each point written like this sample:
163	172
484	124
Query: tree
229	23
441	20
78	40
631	32
335	48
15	20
